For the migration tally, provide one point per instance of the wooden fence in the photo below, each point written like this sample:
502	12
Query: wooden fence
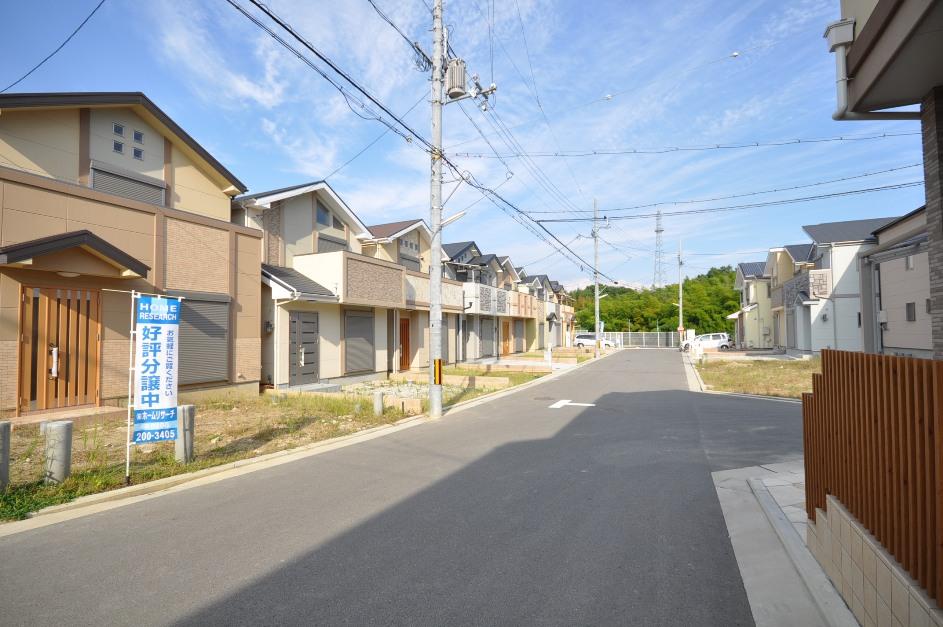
873	433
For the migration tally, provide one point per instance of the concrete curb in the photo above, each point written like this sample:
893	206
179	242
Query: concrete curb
827	599
701	387
103	501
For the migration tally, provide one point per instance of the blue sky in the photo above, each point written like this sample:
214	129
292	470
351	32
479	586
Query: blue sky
668	68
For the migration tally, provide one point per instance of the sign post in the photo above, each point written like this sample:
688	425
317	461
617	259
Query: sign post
155	334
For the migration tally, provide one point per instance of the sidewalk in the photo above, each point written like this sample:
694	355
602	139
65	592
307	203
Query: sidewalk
764	508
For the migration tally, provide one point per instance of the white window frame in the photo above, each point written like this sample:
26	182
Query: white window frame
134	135
135	151
117	146
115	126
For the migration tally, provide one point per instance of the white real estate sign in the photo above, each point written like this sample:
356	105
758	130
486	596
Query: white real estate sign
156	338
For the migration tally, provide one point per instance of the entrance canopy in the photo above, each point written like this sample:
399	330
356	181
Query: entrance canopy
73	254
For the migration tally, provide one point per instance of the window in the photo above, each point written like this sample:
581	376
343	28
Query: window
769	291
859	319
911	312
338	224
138	154
909	262
138	137
929	306
324	216
117	128
118	147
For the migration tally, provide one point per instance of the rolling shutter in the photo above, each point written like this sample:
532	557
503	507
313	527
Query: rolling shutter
127	187
204	341
487	337
518	336
359	351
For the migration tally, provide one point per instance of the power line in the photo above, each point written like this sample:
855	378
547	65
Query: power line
604	152
54	52
755	193
771	203
423	62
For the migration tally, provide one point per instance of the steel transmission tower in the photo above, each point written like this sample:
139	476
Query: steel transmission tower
658	280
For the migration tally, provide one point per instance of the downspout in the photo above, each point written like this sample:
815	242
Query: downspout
840	35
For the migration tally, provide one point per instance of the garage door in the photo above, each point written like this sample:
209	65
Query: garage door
518	336
487	337
359	348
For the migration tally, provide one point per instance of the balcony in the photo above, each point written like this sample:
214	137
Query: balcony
356	279
417	292
495	301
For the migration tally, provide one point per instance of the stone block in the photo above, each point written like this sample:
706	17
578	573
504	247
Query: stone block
883	579
900	599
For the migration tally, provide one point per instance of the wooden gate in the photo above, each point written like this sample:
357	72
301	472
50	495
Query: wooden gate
60	348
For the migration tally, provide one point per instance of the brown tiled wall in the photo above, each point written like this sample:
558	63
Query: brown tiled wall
932	122
114	373
374	283
272	223
248	344
197	257
8	373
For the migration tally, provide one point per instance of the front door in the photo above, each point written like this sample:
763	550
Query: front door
60	339
506	337
303	347
404	344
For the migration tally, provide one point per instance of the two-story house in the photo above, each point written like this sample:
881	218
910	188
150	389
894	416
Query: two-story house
895	289
408	243
816	289
754	319
103	194
324	305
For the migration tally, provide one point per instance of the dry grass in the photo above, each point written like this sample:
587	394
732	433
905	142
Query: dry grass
787	379
227	429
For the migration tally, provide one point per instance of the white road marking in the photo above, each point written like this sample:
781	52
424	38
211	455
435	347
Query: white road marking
567	402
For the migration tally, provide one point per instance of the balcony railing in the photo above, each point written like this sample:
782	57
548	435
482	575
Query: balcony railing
356	279
417	291
495	301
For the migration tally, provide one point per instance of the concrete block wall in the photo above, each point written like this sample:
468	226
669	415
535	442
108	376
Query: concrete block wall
873	584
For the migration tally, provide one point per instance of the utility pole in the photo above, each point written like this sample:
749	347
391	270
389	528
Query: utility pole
680	296
596	273
435	219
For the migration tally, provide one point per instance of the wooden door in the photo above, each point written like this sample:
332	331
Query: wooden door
303	347
404	344
60	348
506	337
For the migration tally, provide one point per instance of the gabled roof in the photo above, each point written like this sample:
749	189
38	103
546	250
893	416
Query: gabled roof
133	99
848	231
265	199
752	268
88	241
294	281
392	230
800	253
896	221
482	260
457	248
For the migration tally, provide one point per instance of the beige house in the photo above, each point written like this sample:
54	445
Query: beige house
754	319
895	289
101	194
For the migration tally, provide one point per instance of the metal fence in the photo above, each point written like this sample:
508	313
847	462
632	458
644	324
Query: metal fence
652	339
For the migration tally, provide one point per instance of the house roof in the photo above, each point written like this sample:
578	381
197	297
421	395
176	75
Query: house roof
390	230
847	231
457	248
799	252
753	268
482	260
294	281
337	203
23	251
117	99
896	221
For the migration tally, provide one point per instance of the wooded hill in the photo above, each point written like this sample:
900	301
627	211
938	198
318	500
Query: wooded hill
708	300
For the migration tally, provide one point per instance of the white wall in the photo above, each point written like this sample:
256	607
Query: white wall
845	268
102	136
900	286
297	227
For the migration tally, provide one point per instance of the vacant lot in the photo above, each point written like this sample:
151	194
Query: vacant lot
226	430
769	378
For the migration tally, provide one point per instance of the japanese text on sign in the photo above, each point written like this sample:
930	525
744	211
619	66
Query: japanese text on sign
155	369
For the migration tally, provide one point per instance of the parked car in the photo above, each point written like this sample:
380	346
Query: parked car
584	340
720	341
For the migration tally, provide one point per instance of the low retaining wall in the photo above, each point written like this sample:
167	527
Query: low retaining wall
489	383
542	368
873	584
406	405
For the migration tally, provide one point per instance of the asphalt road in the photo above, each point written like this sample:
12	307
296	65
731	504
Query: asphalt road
508	513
